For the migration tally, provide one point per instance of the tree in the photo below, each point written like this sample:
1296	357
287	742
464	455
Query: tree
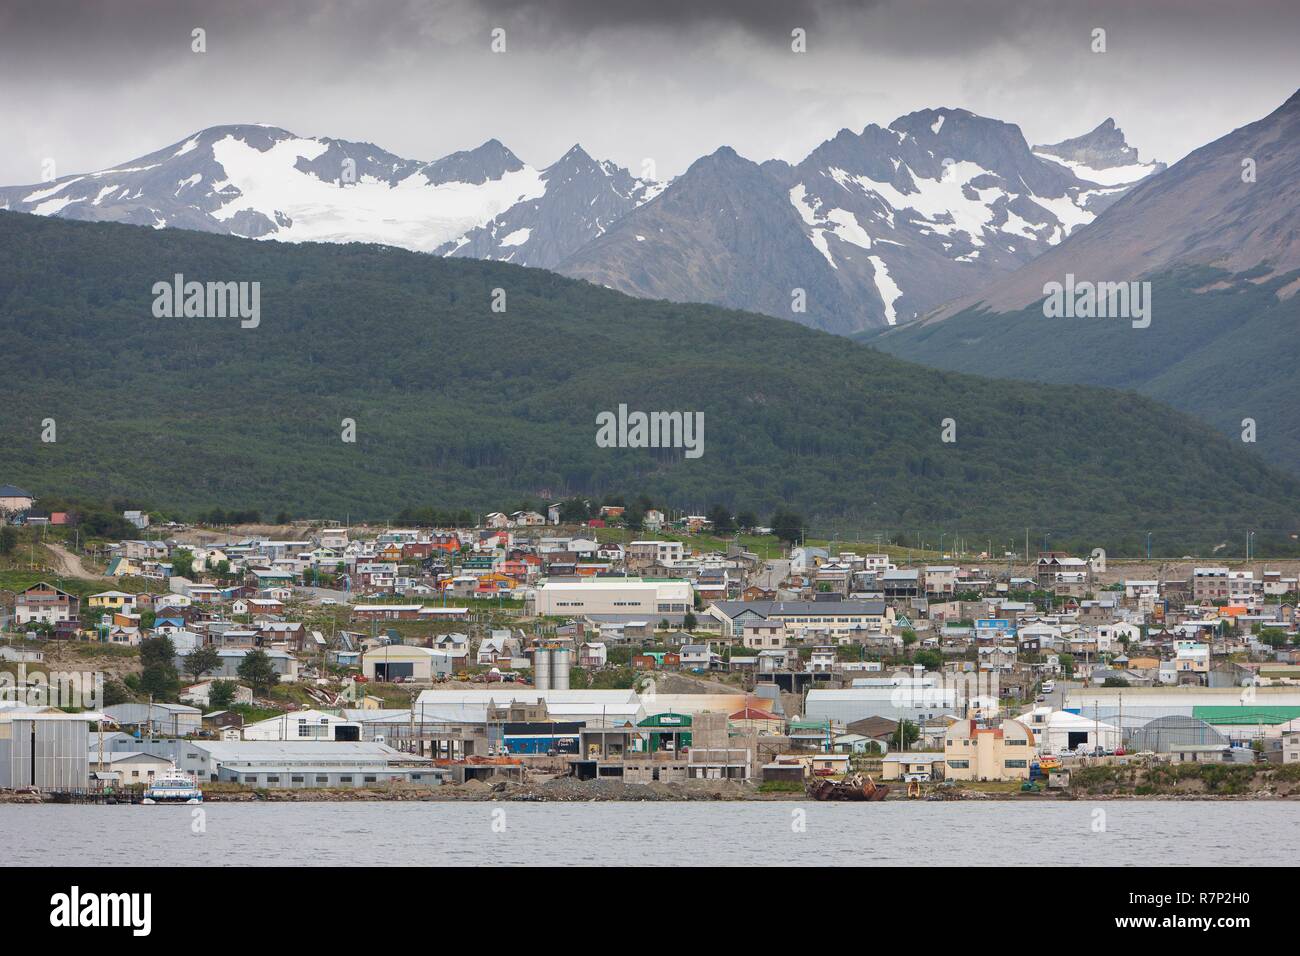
747	521
574	511
8	540
1114	682
182	563
909	637
906	734
787	526
689	621
115	692
201	660
720	515
931	660
1274	637
222	694
158	677
258	671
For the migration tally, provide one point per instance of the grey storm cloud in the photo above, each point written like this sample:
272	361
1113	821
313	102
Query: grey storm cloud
759	16
91	83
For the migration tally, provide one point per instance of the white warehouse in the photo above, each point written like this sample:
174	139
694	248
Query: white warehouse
615	599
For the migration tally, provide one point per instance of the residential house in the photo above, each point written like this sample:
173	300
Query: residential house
111	601
13	500
44	603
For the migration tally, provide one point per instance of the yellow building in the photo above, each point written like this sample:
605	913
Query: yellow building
112	600
988	750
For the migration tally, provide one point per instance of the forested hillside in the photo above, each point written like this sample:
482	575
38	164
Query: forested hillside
458	406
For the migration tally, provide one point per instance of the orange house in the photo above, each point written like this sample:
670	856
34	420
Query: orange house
494	582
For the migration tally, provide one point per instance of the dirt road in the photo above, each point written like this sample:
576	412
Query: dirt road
69	565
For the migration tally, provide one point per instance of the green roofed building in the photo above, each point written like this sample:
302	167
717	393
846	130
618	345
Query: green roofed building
1246	714
668	731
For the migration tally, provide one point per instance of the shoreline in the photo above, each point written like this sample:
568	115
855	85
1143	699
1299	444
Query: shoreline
640	793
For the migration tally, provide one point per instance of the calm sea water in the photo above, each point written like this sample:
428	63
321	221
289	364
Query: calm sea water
660	834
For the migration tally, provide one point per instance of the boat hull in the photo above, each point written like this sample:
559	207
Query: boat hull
856	789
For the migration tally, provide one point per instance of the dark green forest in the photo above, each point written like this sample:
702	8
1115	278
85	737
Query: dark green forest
1223	347
457	406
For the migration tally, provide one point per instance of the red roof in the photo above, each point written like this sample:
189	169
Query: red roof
752	713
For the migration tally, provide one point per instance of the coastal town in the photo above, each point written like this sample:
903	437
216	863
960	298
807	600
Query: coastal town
527	656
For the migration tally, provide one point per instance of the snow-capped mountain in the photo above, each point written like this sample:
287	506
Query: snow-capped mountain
583	197
870	229
901	219
265	182
1102	157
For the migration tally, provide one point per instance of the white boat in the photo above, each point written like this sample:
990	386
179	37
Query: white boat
173	786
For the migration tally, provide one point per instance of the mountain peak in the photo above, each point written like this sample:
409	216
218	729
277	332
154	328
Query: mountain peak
491	160
494	148
1101	148
576	154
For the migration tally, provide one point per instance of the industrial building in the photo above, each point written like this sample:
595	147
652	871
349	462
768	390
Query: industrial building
171	720
1178	735
274	763
1056	731
595	708
303	725
614	599
450	731
1238	713
834	621
44	748
406	662
892	702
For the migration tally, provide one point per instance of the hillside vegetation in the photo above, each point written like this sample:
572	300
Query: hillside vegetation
1221	346
458	406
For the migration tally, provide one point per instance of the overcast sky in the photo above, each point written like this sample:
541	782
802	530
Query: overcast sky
93	83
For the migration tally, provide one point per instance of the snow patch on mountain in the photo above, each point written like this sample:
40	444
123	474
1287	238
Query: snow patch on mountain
887	287
412	213
1113	176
